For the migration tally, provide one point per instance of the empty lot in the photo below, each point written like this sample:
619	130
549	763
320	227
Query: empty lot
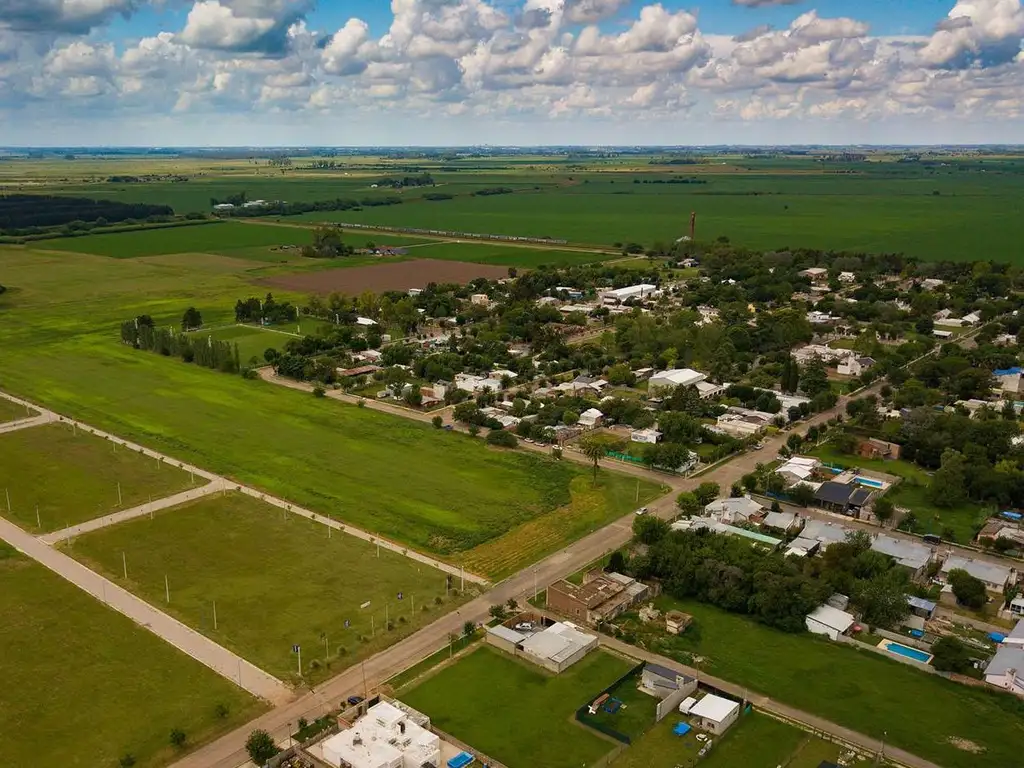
394	276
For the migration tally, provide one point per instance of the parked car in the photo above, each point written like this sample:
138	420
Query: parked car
524	626
642	511
353	700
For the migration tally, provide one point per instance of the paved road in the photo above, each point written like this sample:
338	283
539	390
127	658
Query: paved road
135	512
32	421
204	650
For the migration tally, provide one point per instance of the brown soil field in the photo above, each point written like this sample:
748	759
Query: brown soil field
395	276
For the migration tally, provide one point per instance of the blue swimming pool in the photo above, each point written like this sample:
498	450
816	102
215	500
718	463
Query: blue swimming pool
869	482
903	650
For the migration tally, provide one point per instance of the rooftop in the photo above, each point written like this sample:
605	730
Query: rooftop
680	376
832	618
907	553
1007	658
990	573
714	708
558	642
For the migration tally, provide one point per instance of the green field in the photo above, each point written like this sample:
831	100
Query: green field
84	686
516	713
253	341
277	580
636	715
225	238
855	688
72	476
13	412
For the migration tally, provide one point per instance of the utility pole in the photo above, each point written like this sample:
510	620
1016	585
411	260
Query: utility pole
215	615
637	492
7	493
462	574
124	564
120	502
167	588
386	614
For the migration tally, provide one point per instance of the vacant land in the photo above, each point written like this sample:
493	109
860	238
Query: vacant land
393	276
253	341
277	581
225	238
13	412
72	476
516	713
858	689
84	686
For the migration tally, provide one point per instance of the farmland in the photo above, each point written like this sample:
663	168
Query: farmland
71	477
390	276
486	696
277	580
857	689
84	686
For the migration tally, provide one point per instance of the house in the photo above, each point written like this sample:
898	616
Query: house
572	293
473	384
854	366
994	576
932	284
649	435
558	647
996	529
733	510
1016	608
442	388
677	377
643	374
940	334
369	355
676	622
619	295
782	521
703	523
707	389
360	370
873	448
907	554
224	207
802	546
829	621
591	418
1006	669
797	469
601	596
715	714
810	352
846	499
1009	380
480	299
815	317
824	532
847	277
664	682
385	737
972	318
815	274
365	322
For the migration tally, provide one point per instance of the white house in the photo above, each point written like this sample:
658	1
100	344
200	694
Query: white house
714	713
1006	669
853	365
591	418
732	510
676	377
479	299
469	383
707	389
847	277
972	318
829	621
649	435
385	737
619	295
815	317
365	322
994	576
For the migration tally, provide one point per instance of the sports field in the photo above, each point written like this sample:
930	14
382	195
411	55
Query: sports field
855	688
13	412
72	476
277	581
84	686
253	341
516	713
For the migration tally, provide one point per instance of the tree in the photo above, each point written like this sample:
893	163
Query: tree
260	746
413	397
570	417
814	378
789	379
178	738
191	320
511	604
794	442
948	486
801	495
474	430
502	439
498	611
688	503
437	421
968	590
617	562
950	655
319	391
706	493
127	761
596	447
883	599
468	628
883	509
649	529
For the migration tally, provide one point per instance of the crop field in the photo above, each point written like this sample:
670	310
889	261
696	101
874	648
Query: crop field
488	696
71	477
13	412
858	689
388	276
505	255
84	686
225	238
277	581
590	508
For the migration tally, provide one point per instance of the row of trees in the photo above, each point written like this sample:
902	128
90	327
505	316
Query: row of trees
30	214
255	310
281	208
207	352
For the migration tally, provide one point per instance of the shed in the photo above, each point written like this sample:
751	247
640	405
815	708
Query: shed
829	621
715	713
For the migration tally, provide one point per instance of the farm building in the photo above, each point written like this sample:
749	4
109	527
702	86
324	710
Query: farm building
994	576
385	737
715	714
677	377
601	596
829	621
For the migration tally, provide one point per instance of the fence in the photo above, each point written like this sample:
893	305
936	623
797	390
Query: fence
584	717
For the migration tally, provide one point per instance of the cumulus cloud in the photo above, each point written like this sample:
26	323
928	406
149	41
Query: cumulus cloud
70	16
764	3
246	26
982	33
589	11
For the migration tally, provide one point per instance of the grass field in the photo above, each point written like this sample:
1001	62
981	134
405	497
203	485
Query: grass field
84	686
855	688
13	412
515	713
73	476
634	717
253	341
277	580
226	238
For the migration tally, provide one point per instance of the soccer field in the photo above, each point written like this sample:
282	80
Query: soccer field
83	686
516	713
277	581
71	476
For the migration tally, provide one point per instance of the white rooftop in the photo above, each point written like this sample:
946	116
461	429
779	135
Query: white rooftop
907	553
385	737
714	708
678	376
990	573
558	642
832	618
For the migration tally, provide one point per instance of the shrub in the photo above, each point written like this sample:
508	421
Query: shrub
178	738
260	746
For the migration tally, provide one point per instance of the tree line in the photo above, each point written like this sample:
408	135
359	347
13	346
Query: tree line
282	208
140	333
32	214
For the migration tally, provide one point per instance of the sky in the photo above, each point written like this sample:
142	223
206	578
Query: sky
510	72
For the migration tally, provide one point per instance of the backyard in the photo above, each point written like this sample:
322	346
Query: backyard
277	580
488	696
70	476
858	689
85	686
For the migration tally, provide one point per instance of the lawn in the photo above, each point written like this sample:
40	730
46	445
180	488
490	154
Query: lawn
634	717
277	581
516	713
253	341
84	686
855	688
72	476
220	238
13	412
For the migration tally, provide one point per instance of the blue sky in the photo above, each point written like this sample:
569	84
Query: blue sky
511	71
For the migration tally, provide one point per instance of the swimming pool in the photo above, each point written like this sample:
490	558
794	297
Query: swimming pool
905	651
869	482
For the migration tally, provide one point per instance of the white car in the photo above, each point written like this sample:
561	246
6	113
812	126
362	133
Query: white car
642	511
701	737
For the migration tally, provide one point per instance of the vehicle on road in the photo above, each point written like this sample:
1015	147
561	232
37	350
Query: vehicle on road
642	511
